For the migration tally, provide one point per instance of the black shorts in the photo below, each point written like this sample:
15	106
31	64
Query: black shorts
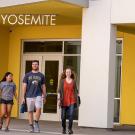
3	101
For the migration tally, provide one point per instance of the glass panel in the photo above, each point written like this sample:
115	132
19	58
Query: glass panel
74	62
119	47
28	66
51	74
72	47
116	110
118	77
51	104
48	46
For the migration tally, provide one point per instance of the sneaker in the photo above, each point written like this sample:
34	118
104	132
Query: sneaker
70	131
36	127
31	129
6	129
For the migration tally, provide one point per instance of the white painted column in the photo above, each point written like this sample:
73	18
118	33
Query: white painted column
97	77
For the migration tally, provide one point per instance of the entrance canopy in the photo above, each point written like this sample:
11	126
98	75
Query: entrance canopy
68	21
68	12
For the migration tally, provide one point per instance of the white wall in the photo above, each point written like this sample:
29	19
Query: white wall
97	66
123	11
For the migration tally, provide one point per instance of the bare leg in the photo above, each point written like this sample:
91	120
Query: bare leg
9	108
30	117
3	113
37	114
37	117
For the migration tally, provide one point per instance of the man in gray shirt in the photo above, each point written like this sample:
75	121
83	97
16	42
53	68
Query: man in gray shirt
34	91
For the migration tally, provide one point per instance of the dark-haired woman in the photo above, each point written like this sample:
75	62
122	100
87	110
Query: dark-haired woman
67	98
8	92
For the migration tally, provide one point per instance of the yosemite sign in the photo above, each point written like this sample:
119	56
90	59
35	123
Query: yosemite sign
13	19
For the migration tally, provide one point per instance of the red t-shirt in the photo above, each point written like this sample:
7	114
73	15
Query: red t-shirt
69	97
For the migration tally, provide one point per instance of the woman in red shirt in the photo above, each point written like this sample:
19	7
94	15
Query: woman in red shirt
67	98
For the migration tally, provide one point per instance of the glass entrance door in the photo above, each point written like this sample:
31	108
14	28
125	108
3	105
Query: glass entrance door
51	67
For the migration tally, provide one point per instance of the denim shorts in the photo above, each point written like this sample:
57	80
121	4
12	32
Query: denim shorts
3	101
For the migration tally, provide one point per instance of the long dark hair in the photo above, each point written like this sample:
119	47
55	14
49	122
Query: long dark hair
63	75
6	75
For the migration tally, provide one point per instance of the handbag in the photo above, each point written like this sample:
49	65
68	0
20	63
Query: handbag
23	108
78	103
79	100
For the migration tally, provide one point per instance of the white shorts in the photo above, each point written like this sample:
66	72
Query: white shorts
34	103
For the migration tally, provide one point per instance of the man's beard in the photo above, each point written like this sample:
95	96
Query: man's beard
36	69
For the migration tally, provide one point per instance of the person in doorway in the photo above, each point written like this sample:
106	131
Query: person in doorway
8	92
67	98
34	94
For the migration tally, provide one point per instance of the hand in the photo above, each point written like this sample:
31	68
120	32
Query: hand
44	100
23	100
59	103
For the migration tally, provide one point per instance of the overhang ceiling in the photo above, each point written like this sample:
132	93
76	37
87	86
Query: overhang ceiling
67	14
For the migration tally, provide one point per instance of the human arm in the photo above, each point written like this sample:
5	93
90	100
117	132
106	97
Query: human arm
43	87
77	94
76	89
15	93
59	98
24	87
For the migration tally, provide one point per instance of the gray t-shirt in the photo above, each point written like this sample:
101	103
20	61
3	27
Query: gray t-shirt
7	90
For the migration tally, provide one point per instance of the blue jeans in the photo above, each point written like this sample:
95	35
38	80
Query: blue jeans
67	112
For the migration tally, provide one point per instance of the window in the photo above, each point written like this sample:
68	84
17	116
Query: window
72	47
42	46
119	46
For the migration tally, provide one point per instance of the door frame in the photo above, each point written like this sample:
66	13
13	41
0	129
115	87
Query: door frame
52	116
42	57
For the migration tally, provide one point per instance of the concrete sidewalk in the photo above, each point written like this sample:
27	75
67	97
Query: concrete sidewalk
54	128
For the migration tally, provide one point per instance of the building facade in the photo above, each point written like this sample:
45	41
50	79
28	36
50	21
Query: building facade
94	37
